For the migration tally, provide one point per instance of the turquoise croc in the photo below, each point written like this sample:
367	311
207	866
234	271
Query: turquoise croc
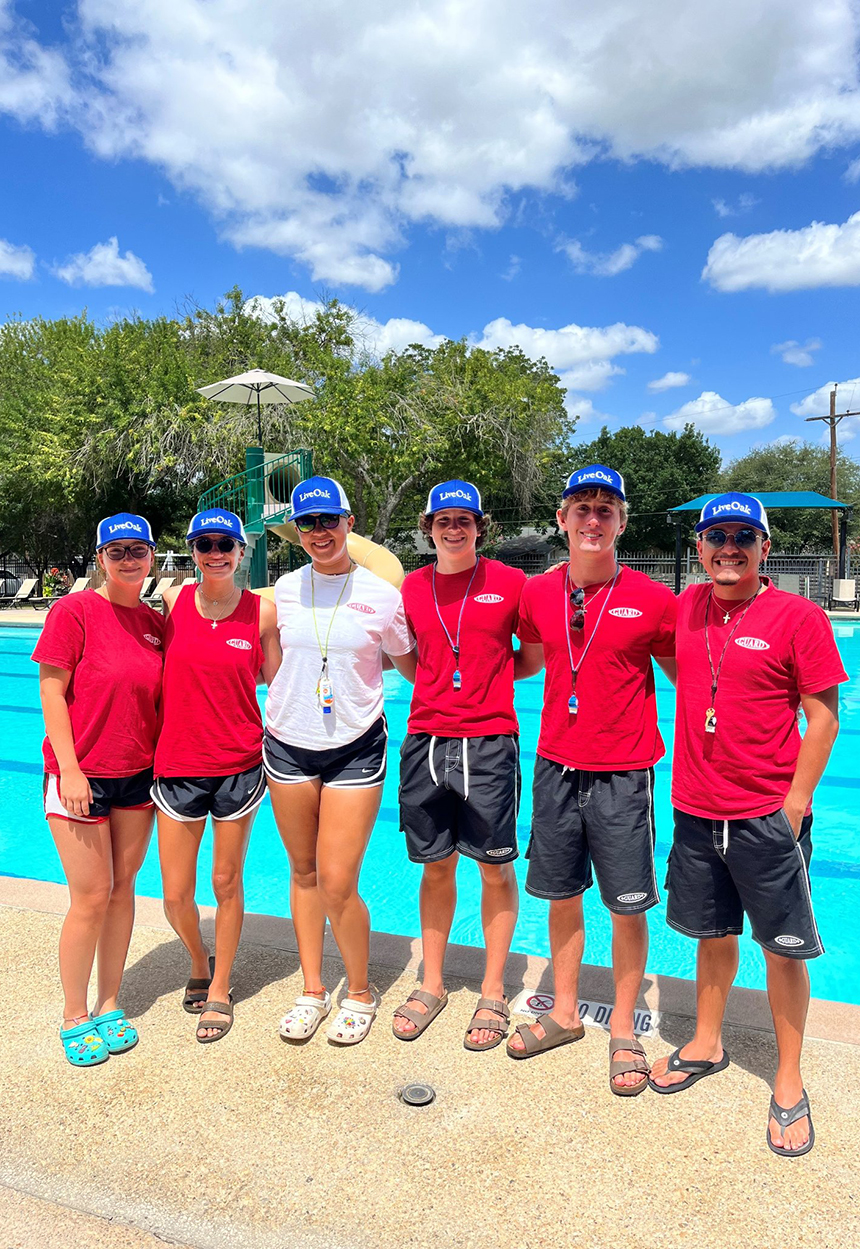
83	1046
116	1031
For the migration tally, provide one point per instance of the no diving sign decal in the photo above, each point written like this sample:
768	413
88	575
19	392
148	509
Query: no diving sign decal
597	1014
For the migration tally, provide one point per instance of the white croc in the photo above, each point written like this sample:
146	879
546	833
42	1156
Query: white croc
304	1017
352	1022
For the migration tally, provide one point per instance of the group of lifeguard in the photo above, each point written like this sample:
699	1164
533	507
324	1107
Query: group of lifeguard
144	709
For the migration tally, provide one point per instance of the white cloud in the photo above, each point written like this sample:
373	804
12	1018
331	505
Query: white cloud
323	132
668	381
583	356
799	354
743	205
578	405
102	265
787	260
818	403
16	261
514	265
711	414
787	440
609	264
852	173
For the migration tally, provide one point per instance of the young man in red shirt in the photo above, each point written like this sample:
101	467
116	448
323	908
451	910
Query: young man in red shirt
597	625
749	657
460	772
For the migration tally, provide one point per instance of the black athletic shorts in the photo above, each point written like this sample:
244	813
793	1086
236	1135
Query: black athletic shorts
190	798
123	792
604	818
358	765
460	793
719	869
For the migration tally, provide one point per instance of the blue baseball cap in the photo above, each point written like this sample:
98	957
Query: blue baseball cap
317	495
734	506
460	494
216	520
123	525
595	477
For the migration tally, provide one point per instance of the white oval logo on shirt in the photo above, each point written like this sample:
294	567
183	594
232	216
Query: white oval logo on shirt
752	644
147	637
489	598
369	611
786	939
626	613
632	897
239	643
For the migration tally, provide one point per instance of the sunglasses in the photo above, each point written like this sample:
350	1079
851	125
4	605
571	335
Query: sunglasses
205	545
577	601
743	537
137	550
307	524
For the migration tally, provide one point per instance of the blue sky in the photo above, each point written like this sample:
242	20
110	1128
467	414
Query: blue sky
658	198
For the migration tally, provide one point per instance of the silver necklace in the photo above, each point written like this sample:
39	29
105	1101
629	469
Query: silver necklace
728	612
219	602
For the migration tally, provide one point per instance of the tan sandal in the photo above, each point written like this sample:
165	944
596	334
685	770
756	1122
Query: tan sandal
555	1036
421	1019
489	1025
621	1066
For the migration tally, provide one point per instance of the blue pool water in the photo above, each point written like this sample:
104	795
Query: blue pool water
390	882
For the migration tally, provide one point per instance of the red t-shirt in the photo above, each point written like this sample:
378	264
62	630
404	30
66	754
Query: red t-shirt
484	704
115	657
783	647
616	727
210	722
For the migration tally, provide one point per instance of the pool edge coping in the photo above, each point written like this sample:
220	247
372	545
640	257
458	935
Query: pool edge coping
668	995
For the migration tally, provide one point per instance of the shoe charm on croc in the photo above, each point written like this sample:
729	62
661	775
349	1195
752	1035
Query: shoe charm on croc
116	1031
83	1046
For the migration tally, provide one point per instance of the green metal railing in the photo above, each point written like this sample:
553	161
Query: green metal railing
260	496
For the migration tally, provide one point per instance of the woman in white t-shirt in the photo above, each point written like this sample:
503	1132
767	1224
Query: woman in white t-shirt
324	749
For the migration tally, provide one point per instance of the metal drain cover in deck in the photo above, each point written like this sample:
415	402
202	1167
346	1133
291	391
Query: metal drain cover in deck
418	1094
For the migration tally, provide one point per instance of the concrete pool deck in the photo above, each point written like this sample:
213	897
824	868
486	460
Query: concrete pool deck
256	1143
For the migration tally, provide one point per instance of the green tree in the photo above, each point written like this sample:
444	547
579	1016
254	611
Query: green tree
660	470
797	466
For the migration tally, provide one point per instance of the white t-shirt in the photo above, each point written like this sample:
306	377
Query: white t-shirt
369	620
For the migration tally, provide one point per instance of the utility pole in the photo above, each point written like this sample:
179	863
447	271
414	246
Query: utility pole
832	421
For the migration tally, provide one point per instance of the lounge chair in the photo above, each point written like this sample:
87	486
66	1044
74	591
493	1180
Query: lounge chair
147	586
190	581
844	593
789	582
82	583
691	578
158	593
25	593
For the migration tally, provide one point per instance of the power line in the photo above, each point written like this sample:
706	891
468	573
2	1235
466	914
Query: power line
832	420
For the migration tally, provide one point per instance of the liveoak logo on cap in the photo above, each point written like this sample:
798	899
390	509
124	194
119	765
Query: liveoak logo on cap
317	495
595	477
462	494
734	506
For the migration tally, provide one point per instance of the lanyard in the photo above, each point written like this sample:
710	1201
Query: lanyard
573	701
454	643
324	650
711	713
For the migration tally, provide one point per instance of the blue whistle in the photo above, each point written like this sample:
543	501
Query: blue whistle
573	705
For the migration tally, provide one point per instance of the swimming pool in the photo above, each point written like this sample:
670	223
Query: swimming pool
390	882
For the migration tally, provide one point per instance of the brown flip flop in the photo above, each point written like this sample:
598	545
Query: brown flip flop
196	990
620	1067
422	1020
491	1025
555	1036
223	1008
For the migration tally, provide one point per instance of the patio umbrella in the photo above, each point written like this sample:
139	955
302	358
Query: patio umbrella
260	385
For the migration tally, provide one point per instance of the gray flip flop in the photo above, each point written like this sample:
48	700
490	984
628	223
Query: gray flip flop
555	1036
491	1025
784	1118
621	1066
697	1067
422	1020
223	1008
